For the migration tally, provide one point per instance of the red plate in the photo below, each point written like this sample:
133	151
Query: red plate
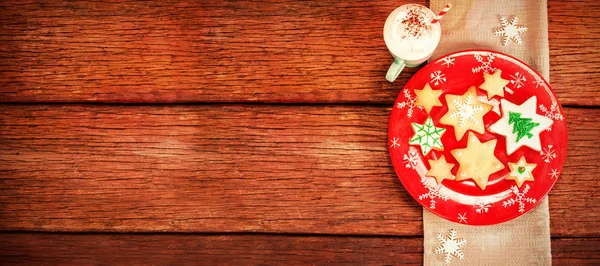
464	201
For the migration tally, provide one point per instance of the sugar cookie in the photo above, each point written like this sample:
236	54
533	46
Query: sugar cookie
521	125
428	98
427	136
521	171
465	112
477	161
494	84
440	169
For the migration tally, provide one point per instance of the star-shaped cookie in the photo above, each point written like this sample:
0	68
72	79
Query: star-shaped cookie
494	84
440	169
521	171
525	126
427	136
477	161
428	98
465	112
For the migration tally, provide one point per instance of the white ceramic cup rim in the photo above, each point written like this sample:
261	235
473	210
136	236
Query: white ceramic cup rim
395	50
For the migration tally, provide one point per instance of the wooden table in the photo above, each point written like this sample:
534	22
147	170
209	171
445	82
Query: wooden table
237	132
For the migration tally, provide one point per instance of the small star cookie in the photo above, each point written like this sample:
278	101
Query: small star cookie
440	169
465	112
521	125
521	171
477	161
427	136
494	84
428	98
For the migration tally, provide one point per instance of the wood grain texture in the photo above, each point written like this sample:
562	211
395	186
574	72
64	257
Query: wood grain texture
237	51
169	249
573	33
242	168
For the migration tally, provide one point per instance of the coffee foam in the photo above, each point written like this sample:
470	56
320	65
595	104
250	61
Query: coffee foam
409	35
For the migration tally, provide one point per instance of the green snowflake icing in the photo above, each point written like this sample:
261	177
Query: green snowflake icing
427	136
521	125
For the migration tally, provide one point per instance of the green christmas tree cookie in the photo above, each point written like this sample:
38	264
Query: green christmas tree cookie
522	126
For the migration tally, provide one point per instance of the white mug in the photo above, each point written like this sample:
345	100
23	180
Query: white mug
410	45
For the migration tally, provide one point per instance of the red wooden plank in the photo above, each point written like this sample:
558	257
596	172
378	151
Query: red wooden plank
237	51
247	168
168	249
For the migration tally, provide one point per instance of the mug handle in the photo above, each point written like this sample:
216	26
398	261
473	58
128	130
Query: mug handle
395	70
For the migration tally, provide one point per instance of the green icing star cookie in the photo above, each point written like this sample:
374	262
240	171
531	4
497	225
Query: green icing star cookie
427	136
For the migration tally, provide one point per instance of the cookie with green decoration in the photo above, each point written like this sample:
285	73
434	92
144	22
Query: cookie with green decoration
521	125
521	171
427	136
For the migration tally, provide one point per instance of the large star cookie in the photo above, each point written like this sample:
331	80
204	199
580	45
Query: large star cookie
428	98
440	169
427	136
494	84
465	112
521	171
477	161
521	125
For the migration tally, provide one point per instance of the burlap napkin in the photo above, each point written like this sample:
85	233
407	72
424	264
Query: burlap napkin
470	25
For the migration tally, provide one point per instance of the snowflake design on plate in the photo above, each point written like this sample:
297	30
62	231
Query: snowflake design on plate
482	207
409	103
486	60
394	142
450	246
539	82
466	110
433	193
551	113
510	30
548	154
448	61
411	159
520	198
518	80
437	77
462	218
554	174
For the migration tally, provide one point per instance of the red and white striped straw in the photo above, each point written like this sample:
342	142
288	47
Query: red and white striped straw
444	11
